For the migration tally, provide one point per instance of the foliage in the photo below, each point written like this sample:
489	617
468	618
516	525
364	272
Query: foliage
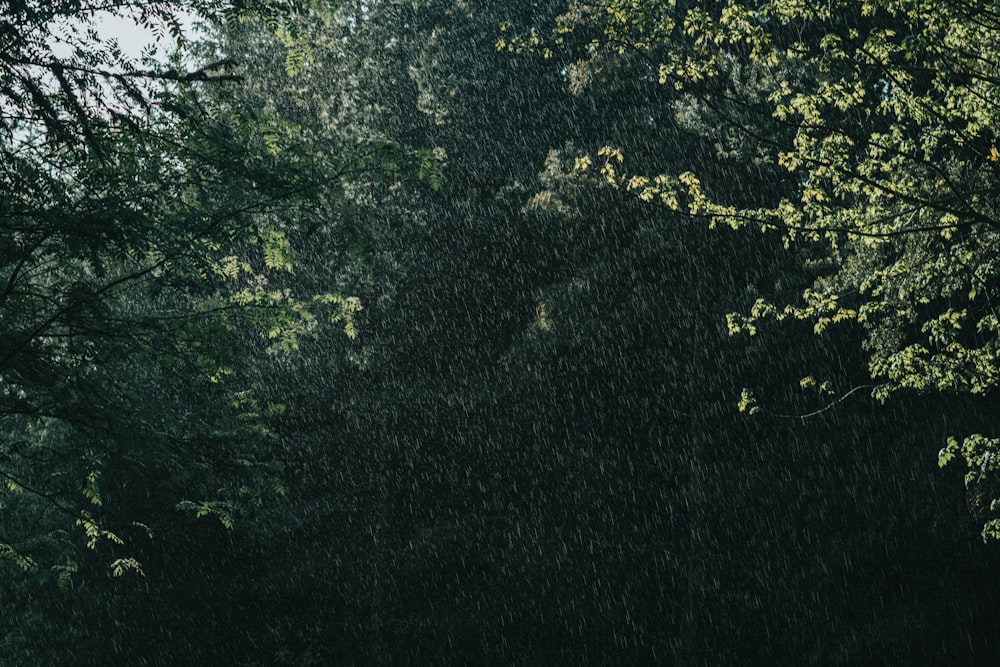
532	434
136	250
880	115
451	380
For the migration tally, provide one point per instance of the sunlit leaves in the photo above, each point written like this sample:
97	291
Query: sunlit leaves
346	309
748	402
95	532
982	456
91	491
10	556
123	565
223	511
883	116
278	251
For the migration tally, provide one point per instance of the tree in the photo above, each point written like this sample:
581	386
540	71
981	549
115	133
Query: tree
880	114
527	447
136	247
531	448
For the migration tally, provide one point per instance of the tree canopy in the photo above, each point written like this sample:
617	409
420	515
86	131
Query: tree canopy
382	331
875	120
137	245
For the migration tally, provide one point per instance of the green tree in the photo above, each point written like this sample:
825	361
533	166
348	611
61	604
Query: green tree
164	274
136	246
531	450
880	116
527	448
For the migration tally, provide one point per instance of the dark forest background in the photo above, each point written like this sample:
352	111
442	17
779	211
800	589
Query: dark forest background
341	339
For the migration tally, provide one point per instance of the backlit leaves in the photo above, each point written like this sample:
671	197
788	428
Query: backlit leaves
882	116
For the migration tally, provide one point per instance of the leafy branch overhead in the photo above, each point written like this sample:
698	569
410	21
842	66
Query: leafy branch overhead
877	121
127	192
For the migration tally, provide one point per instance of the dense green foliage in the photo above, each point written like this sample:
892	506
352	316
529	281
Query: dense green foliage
381	332
138	237
881	114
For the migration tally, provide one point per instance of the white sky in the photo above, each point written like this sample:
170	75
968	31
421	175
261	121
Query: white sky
132	39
